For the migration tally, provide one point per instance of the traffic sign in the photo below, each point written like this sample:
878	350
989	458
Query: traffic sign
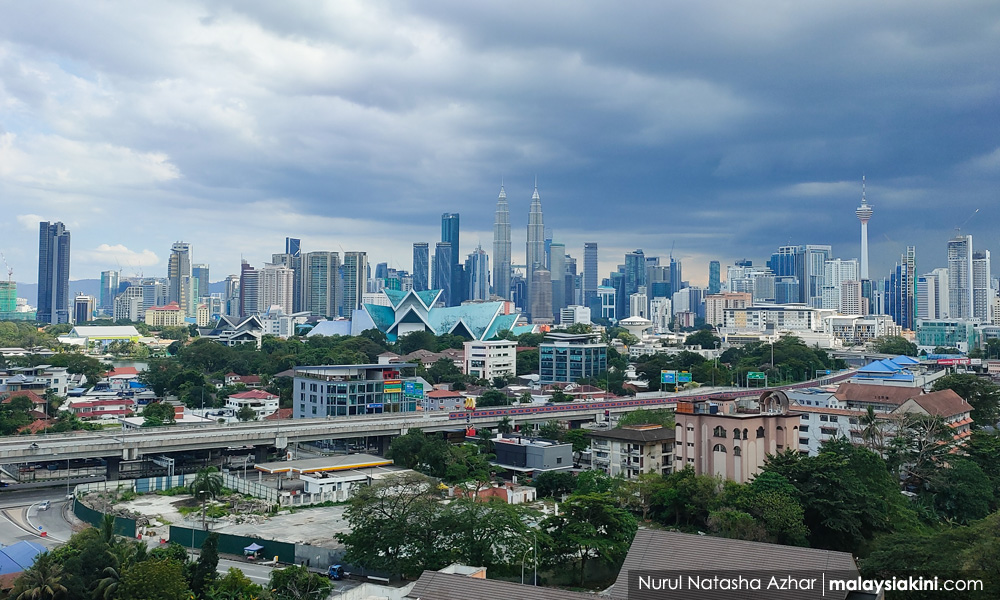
668	377
756	375
684	377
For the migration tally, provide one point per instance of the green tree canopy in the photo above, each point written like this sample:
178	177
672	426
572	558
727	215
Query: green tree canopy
704	338
981	393
590	527
894	344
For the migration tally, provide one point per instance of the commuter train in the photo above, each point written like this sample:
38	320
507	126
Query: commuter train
591	406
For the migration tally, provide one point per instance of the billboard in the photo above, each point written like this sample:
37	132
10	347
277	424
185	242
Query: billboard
668	377
684	377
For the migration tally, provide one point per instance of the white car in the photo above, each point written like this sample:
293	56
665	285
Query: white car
44	505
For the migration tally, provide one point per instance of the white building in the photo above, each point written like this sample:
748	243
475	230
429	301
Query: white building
782	317
836	272
659	314
855	329
276	322
276	286
486	360
574	314
262	403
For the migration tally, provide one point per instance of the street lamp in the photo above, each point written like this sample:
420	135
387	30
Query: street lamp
716	367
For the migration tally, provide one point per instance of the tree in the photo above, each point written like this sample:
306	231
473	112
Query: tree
394	526
207	484
298	583
493	398
506	425
962	493
590	527
157	414
490	534
551	431
246	413
872	430
847	494
554	484
687	498
205	570
525	398
43	581
981	393
234	586
645	416
527	362
445	371
155	579
580	441
894	344
704	338
417	340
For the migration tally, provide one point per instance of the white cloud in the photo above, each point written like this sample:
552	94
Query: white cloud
30	222
105	255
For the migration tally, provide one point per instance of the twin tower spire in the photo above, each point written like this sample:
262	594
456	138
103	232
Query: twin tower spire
535	254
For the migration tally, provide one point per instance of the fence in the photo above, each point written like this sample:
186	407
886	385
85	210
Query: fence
252	488
123	527
233	544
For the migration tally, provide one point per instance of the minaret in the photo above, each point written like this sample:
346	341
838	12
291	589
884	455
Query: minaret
535	255
501	247
864	213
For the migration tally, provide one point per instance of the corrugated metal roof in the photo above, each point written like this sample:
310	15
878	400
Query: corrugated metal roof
433	585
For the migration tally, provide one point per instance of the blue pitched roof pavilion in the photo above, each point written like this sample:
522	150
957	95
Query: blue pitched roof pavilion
415	311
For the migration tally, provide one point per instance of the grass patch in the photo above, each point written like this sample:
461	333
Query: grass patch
176	491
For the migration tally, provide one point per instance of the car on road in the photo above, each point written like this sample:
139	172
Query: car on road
44	505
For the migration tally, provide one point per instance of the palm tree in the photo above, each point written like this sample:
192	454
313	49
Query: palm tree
123	556
505	425
108	529
871	432
207	484
42	581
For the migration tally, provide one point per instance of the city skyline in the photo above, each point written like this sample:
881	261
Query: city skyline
294	122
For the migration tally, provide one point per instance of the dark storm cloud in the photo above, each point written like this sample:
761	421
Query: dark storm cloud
723	128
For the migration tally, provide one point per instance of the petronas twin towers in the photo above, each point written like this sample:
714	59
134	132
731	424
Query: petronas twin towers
535	250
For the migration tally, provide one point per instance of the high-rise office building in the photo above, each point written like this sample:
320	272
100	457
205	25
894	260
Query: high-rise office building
200	282
806	263
676	278
864	213
83	308
53	273
541	296
450	229
477	272
354	281
535	249
292	258
960	277
932	295
231	296
982	290
276	285
501	247
180	276
635	272
421	266
443	275
899	299
714	279
293	246
557	274
589	272
249	290
109	289
836	272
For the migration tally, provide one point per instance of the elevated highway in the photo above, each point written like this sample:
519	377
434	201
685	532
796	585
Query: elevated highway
132	445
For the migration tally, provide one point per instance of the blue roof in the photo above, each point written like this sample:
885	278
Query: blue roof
18	557
501	323
395	296
331	328
518	330
382	316
880	366
904	361
428	297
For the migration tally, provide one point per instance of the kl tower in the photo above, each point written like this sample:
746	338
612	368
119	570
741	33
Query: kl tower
864	213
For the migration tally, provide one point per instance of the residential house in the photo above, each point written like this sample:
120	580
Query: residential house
632	450
262	403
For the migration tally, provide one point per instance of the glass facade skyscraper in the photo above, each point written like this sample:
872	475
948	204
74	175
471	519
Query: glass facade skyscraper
421	266
53	273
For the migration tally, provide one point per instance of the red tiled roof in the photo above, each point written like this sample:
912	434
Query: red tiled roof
254	395
943	403
281	413
250	378
171	306
36	426
122	371
6	397
444	394
876	394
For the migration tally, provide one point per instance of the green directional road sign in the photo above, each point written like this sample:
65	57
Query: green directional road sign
668	376
684	377
756	375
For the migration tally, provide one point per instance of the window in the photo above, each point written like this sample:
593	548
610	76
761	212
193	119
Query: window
719	431
833	418
823	418
736	434
558	460
853	421
760	432
803	441
719	448
804	429
828	431
737	452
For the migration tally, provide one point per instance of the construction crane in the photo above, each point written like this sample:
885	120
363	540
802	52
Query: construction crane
10	271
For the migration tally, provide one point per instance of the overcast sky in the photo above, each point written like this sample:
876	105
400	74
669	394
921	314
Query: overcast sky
721	128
